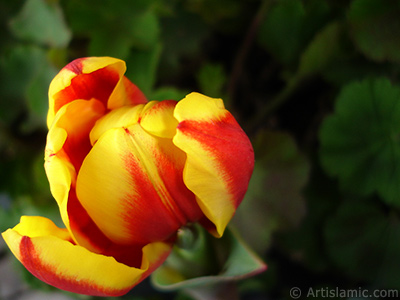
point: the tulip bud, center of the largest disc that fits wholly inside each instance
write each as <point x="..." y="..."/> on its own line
<point x="127" y="174"/>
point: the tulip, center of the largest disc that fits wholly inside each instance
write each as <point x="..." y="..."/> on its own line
<point x="127" y="174"/>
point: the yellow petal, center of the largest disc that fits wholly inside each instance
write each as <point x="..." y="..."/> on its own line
<point x="131" y="185"/>
<point x="67" y="87"/>
<point x="158" y="118"/>
<point x="118" y="118"/>
<point x="220" y="157"/>
<point x="125" y="93"/>
<point x="46" y="251"/>
<point x="101" y="78"/>
<point x="198" y="107"/>
<point x="67" y="145"/>
<point x="40" y="226"/>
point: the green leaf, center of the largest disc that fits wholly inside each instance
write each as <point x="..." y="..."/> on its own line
<point x="182" y="35"/>
<point x="229" y="256"/>
<point x="91" y="15"/>
<point x="106" y="43"/>
<point x="360" y="142"/>
<point x="40" y="183"/>
<point x="8" y="216"/>
<point x="322" y="51"/>
<point x="142" y="67"/>
<point x="273" y="201"/>
<point x="168" y="93"/>
<point x="145" y="30"/>
<point x="375" y="27"/>
<point x="115" y="27"/>
<point x="363" y="243"/>
<point x="37" y="95"/>
<point x="41" y="22"/>
<point x="350" y="68"/>
<point x="289" y="25"/>
<point x="140" y="31"/>
<point x="321" y="196"/>
<point x="225" y="15"/>
<point x="25" y="75"/>
<point x="281" y="30"/>
<point x="211" y="79"/>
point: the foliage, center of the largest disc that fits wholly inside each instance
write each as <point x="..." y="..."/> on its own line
<point x="363" y="135"/>
<point x="315" y="84"/>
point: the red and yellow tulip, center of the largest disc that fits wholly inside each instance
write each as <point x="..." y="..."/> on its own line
<point x="127" y="174"/>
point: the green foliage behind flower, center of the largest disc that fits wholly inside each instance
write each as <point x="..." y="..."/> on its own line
<point x="315" y="84"/>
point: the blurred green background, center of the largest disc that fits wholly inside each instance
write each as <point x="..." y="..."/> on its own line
<point x="315" y="84"/>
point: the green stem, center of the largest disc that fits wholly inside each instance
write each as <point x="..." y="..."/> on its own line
<point x="192" y="253"/>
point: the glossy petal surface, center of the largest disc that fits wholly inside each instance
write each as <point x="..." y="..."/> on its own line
<point x="118" y="118"/>
<point x="131" y="186"/>
<point x="47" y="252"/>
<point x="67" y="145"/>
<point x="220" y="157"/>
<point x="94" y="77"/>
<point x="158" y="118"/>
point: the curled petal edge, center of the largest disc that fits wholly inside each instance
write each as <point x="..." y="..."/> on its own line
<point x="220" y="157"/>
<point x="48" y="253"/>
<point x="76" y="68"/>
<point x="60" y="170"/>
<point x="93" y="77"/>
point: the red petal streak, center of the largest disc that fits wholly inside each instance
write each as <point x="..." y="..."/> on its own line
<point x="75" y="66"/>
<point x="78" y="122"/>
<point x="229" y="146"/>
<point x="77" y="150"/>
<point x="146" y="213"/>
<point x="47" y="273"/>
<point x="98" y="84"/>
<point x="89" y="235"/>
<point x="134" y="94"/>
<point x="170" y="170"/>
<point x="163" y="203"/>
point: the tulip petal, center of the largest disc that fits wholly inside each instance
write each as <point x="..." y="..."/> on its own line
<point x="46" y="251"/>
<point x="77" y="118"/>
<point x="118" y="118"/>
<point x="92" y="77"/>
<point x="86" y="234"/>
<point x="67" y="145"/>
<point x="158" y="118"/>
<point x="131" y="185"/>
<point x="125" y="93"/>
<point x="220" y="157"/>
